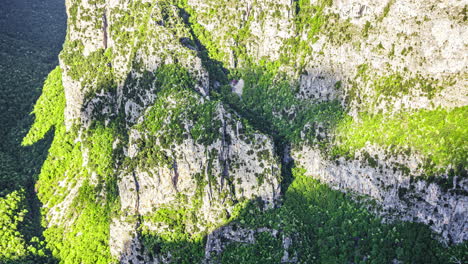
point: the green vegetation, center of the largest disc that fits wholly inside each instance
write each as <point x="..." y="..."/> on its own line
<point x="438" y="135"/>
<point x="326" y="226"/>
<point x="16" y="243"/>
<point x="48" y="109"/>
<point x="31" y="34"/>
<point x="86" y="241"/>
<point x="270" y="103"/>
<point x="168" y="121"/>
<point x="393" y="85"/>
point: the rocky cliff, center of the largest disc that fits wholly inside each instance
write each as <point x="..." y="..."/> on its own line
<point x="174" y="118"/>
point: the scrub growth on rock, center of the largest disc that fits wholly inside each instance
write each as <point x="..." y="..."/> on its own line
<point x="220" y="131"/>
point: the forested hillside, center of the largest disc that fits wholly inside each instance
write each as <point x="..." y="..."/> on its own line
<point x="31" y="36"/>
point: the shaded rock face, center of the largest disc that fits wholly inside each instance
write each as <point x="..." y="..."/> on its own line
<point x="223" y="236"/>
<point x="412" y="199"/>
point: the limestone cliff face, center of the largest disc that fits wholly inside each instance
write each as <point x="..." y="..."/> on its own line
<point x="181" y="152"/>
<point x="206" y="182"/>
<point x="419" y="46"/>
<point x="141" y="69"/>
<point x="400" y="196"/>
<point x="424" y="41"/>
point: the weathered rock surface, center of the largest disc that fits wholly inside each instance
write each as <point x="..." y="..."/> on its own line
<point x="208" y="180"/>
<point x="114" y="48"/>
<point x="425" y="40"/>
<point x="413" y="199"/>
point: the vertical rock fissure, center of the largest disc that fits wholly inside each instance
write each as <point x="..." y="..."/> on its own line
<point x="104" y="29"/>
<point x="223" y="155"/>
<point x="217" y="72"/>
<point x="137" y="190"/>
<point x="137" y="207"/>
<point x="175" y="178"/>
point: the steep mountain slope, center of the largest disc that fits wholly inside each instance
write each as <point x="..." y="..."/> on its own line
<point x="196" y="132"/>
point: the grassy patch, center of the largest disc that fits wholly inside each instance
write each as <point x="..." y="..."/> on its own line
<point x="439" y="135"/>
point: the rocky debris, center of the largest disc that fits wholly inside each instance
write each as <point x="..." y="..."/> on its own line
<point x="237" y="86"/>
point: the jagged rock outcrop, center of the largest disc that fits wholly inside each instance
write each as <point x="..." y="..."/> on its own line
<point x="135" y="67"/>
<point x="206" y="182"/>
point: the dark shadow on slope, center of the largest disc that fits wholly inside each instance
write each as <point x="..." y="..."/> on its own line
<point x="219" y="78"/>
<point x="315" y="224"/>
<point x="23" y="179"/>
<point x="218" y="73"/>
<point x="31" y="35"/>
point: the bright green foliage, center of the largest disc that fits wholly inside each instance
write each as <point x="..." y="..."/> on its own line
<point x="326" y="226"/>
<point x="439" y="135"/>
<point x="99" y="141"/>
<point x="49" y="107"/>
<point x="12" y="212"/>
<point x="177" y="239"/>
<point x="64" y="154"/>
<point x="87" y="241"/>
<point x="14" y="246"/>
